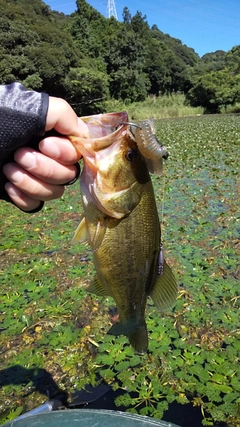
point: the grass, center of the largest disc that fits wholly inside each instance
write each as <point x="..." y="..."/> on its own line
<point x="231" y="109"/>
<point x="53" y="335"/>
<point x="165" y="106"/>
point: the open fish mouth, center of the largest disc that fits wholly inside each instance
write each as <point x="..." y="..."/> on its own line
<point x="104" y="128"/>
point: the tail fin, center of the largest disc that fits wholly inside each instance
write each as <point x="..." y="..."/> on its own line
<point x="137" y="334"/>
<point x="139" y="339"/>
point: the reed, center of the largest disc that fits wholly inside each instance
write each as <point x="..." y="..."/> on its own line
<point x="164" y="106"/>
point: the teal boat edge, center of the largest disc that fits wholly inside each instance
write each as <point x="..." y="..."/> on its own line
<point x="88" y="418"/>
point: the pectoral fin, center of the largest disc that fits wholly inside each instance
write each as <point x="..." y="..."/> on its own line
<point x="164" y="291"/>
<point x="97" y="234"/>
<point x="81" y="233"/>
<point x="97" y="288"/>
<point x="93" y="234"/>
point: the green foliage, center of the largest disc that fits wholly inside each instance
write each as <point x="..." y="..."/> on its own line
<point x="213" y="61"/>
<point x="165" y="106"/>
<point x="33" y="49"/>
<point x="88" y="28"/>
<point x="89" y="59"/>
<point x="4" y="418"/>
<point x="53" y="331"/>
<point x="215" y="90"/>
<point x="86" y="90"/>
<point x="214" y="81"/>
<point x="124" y="60"/>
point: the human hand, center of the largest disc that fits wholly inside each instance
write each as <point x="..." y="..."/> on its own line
<point x="40" y="176"/>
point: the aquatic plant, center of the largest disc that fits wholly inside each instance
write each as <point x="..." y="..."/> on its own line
<point x="53" y="334"/>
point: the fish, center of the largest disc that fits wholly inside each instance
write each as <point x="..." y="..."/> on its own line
<point x="120" y="220"/>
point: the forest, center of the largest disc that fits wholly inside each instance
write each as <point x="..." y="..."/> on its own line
<point x="89" y="59"/>
<point x="53" y="335"/>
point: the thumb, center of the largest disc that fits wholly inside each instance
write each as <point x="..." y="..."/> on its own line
<point x="63" y="119"/>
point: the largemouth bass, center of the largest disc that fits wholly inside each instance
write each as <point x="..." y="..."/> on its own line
<point x="121" y="222"/>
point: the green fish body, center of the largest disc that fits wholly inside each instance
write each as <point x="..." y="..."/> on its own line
<point x="121" y="224"/>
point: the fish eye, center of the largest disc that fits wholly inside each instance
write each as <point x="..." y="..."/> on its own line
<point x="130" y="154"/>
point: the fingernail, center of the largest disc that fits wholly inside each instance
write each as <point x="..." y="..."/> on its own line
<point x="52" y="150"/>
<point x="17" y="177"/>
<point x="28" y="160"/>
<point x="11" y="190"/>
<point x="12" y="173"/>
<point x="76" y="176"/>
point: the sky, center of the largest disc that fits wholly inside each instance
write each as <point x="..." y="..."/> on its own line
<point x="204" y="25"/>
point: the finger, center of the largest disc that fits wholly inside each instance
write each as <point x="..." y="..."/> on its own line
<point x="30" y="185"/>
<point x="20" y="199"/>
<point x="44" y="168"/>
<point x="63" y="119"/>
<point x="60" y="149"/>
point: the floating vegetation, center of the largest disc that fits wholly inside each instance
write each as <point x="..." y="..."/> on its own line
<point x="53" y="334"/>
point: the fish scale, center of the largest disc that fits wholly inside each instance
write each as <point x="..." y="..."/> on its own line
<point x="121" y="224"/>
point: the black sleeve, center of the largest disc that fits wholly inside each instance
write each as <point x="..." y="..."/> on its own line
<point x="22" y="122"/>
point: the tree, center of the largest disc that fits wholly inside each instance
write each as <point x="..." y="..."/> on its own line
<point x="86" y="90"/>
<point x="86" y="58"/>
<point x="215" y="90"/>
<point x="126" y="16"/>
<point x="33" y="49"/>
<point x="140" y="26"/>
<point x="156" y="68"/>
<point x="88" y="28"/>
<point x="125" y="61"/>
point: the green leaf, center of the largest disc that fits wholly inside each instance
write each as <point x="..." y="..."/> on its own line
<point x="222" y="387"/>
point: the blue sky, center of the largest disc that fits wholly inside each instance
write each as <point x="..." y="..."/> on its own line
<point x="204" y="25"/>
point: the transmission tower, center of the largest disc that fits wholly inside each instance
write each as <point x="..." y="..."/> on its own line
<point x="111" y="9"/>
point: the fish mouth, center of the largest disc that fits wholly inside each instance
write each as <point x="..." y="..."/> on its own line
<point x="131" y="124"/>
<point x="92" y="149"/>
<point x="104" y="129"/>
<point x="88" y="146"/>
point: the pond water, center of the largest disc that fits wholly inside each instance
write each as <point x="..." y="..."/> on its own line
<point x="54" y="335"/>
